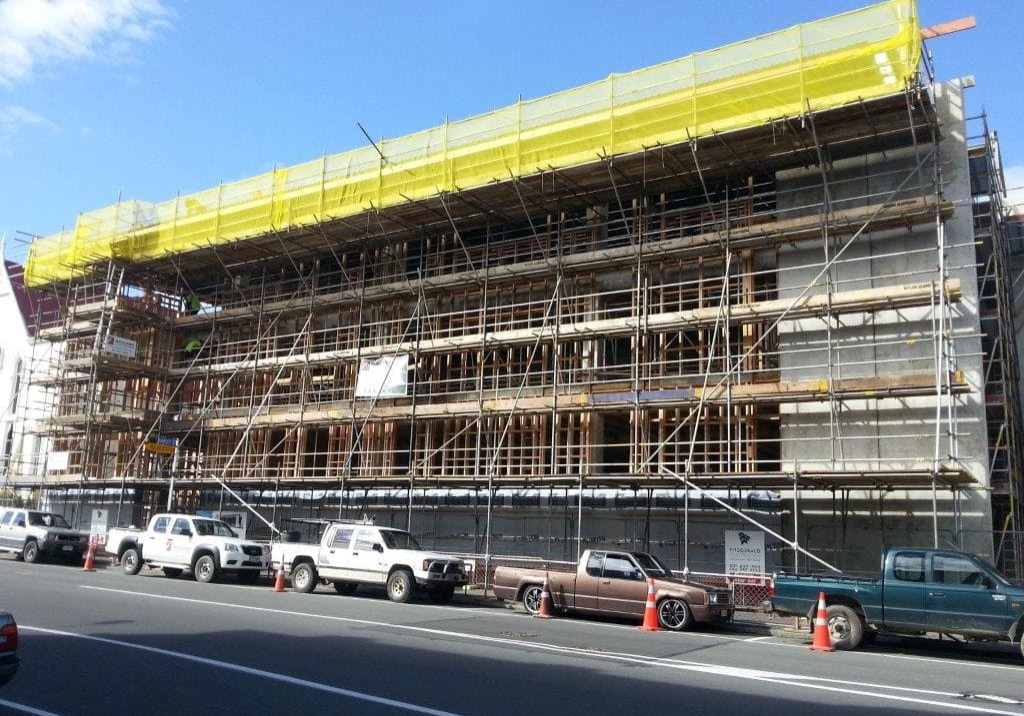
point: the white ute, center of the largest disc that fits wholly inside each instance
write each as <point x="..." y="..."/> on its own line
<point x="351" y="554"/>
<point x="176" y="542"/>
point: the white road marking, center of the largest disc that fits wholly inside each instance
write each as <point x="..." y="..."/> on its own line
<point x="26" y="709"/>
<point x="868" y="690"/>
<point x="271" y="675"/>
<point x="787" y="644"/>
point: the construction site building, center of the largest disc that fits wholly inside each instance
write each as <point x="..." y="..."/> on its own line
<point x="780" y="267"/>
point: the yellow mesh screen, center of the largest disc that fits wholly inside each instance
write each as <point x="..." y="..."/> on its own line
<point x="858" y="55"/>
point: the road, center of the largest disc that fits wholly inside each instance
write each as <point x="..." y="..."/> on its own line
<point x="101" y="643"/>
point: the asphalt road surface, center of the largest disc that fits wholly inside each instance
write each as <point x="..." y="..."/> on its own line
<point x="102" y="643"/>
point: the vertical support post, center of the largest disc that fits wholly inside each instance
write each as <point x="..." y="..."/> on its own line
<point x="686" y="520"/>
<point x="796" y="519"/>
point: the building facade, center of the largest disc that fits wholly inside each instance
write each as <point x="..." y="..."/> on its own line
<point x="777" y="266"/>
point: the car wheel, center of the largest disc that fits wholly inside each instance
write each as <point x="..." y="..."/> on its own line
<point x="30" y="552"/>
<point x="249" y="576"/>
<point x="845" y="627"/>
<point x="205" y="569"/>
<point x="172" y="572"/>
<point x="131" y="561"/>
<point x="531" y="597"/>
<point x="675" y="614"/>
<point x="304" y="578"/>
<point x="440" y="595"/>
<point x="345" y="587"/>
<point x="400" y="586"/>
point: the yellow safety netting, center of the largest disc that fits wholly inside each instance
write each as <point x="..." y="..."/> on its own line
<point x="862" y="54"/>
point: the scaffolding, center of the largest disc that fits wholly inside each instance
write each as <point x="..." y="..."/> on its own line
<point x="996" y="254"/>
<point x="770" y="294"/>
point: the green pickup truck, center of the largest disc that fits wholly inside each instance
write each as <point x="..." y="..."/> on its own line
<point x="920" y="591"/>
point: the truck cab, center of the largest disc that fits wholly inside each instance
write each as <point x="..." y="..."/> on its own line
<point x="932" y="590"/>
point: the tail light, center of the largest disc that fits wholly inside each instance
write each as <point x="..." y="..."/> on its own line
<point x="9" y="637"/>
<point x="771" y="587"/>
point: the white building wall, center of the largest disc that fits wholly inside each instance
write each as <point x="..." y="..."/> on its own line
<point x="22" y="404"/>
<point x="886" y="433"/>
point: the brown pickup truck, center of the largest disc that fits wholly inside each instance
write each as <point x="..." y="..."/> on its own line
<point x="615" y="584"/>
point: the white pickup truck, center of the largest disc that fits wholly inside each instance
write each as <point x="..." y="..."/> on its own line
<point x="176" y="542"/>
<point x="350" y="554"/>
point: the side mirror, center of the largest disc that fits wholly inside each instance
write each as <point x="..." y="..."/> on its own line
<point x="378" y="547"/>
<point x="186" y="533"/>
<point x="987" y="582"/>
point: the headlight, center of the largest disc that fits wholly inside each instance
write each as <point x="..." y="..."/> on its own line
<point x="50" y="537"/>
<point x="712" y="597"/>
<point x="230" y="547"/>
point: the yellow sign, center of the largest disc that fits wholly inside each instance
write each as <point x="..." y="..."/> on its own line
<point x="159" y="448"/>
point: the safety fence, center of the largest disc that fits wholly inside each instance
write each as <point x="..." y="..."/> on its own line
<point x="853" y="57"/>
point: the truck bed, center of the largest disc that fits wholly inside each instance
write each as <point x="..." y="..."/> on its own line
<point x="834" y="579"/>
<point x="508" y="579"/>
<point x="797" y="594"/>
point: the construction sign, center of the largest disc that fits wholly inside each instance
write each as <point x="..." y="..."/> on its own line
<point x="385" y="377"/>
<point x="162" y="446"/>
<point x="744" y="556"/>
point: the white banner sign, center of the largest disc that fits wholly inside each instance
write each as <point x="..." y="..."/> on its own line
<point x="98" y="522"/>
<point x="744" y="552"/>
<point x="58" y="460"/>
<point x="120" y="347"/>
<point x="386" y="377"/>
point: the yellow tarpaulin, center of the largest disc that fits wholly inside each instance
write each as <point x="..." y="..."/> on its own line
<point x="819" y="65"/>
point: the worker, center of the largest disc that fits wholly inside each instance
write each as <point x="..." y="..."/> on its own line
<point x="192" y="348"/>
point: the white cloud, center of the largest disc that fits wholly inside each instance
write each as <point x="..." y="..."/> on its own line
<point x="43" y="32"/>
<point x="12" y="119"/>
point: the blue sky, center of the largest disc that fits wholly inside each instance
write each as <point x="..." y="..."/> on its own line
<point x="146" y="99"/>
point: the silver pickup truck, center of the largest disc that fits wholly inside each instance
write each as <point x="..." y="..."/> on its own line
<point x="31" y="534"/>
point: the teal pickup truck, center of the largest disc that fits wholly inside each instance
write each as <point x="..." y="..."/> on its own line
<point x="920" y="590"/>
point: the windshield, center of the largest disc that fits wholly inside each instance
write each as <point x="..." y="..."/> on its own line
<point x="651" y="565"/>
<point x="213" y="527"/>
<point x="46" y="519"/>
<point x="397" y="539"/>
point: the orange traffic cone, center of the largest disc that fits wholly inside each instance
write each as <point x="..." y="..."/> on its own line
<point x="545" y="601"/>
<point x="90" y="559"/>
<point x="279" y="580"/>
<point x="650" y="610"/>
<point x="822" y="642"/>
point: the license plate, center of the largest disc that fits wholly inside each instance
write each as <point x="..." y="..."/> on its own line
<point x="67" y="548"/>
<point x="724" y="614"/>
